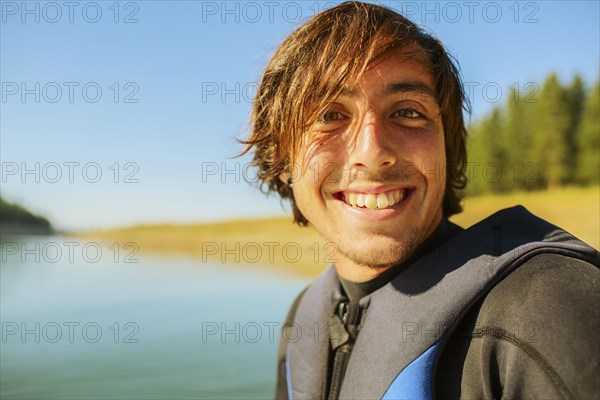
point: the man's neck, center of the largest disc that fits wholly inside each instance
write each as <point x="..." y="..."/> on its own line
<point x="351" y="271"/>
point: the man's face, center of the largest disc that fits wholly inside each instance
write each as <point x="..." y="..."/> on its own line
<point x="373" y="168"/>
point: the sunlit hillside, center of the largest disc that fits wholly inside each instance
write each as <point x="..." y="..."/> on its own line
<point x="278" y="243"/>
<point x="576" y="210"/>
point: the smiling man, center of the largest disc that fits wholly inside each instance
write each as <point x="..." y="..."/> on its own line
<point x="358" y="122"/>
<point x="372" y="163"/>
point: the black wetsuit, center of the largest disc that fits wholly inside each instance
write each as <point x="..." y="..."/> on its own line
<point x="534" y="335"/>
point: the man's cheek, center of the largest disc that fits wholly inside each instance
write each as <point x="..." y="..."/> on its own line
<point x="434" y="171"/>
<point x="332" y="172"/>
<point x="317" y="171"/>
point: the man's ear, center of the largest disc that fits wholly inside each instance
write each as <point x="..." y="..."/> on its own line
<point x="286" y="178"/>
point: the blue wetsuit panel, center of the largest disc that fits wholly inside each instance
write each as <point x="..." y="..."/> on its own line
<point x="414" y="382"/>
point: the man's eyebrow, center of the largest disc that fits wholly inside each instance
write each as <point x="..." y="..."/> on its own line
<point x="395" y="88"/>
<point x="346" y="92"/>
<point x="408" y="87"/>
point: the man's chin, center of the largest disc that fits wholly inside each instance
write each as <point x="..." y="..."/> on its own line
<point x="379" y="258"/>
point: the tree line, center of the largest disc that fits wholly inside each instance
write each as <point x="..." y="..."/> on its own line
<point x="540" y="138"/>
<point x="14" y="218"/>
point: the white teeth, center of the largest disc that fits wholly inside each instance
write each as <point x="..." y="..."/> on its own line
<point x="382" y="200"/>
<point x="352" y="199"/>
<point x="400" y="196"/>
<point x="360" y="200"/>
<point x="374" y="201"/>
<point x="371" y="201"/>
<point x="391" y="198"/>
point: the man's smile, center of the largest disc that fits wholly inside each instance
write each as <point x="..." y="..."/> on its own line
<point x="373" y="199"/>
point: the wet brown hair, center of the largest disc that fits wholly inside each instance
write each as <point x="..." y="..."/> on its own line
<point x="326" y="54"/>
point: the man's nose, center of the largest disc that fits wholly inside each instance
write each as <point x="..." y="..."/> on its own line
<point x="372" y="148"/>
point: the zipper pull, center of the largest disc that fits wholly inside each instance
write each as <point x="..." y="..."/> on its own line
<point x="338" y="335"/>
<point x="343" y="309"/>
<point x="352" y="322"/>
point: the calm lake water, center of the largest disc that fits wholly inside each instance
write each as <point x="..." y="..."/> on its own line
<point x="79" y="323"/>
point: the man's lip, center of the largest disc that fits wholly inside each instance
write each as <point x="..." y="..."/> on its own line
<point x="372" y="189"/>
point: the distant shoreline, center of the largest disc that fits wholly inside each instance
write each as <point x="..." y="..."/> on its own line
<point x="11" y="228"/>
<point x="278" y="243"/>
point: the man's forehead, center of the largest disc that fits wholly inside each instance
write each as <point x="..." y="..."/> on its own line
<point x="404" y="71"/>
<point x="400" y="84"/>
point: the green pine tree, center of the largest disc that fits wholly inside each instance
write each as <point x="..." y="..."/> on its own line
<point x="496" y="170"/>
<point x="521" y="172"/>
<point x="588" y="140"/>
<point x="487" y="155"/>
<point x="549" y="141"/>
<point x="575" y="97"/>
<point x="477" y="156"/>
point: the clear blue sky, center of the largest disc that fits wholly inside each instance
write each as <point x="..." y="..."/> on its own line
<point x="185" y="72"/>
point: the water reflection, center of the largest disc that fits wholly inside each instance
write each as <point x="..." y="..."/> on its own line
<point x="162" y="327"/>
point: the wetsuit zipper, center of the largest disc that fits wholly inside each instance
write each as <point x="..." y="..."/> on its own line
<point x="345" y="329"/>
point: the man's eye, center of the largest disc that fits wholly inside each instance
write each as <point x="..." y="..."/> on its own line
<point x="409" y="113"/>
<point x="332" y="116"/>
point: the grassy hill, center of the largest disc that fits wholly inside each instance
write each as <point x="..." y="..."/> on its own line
<point x="576" y="210"/>
<point x="277" y="242"/>
<point x="262" y="242"/>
